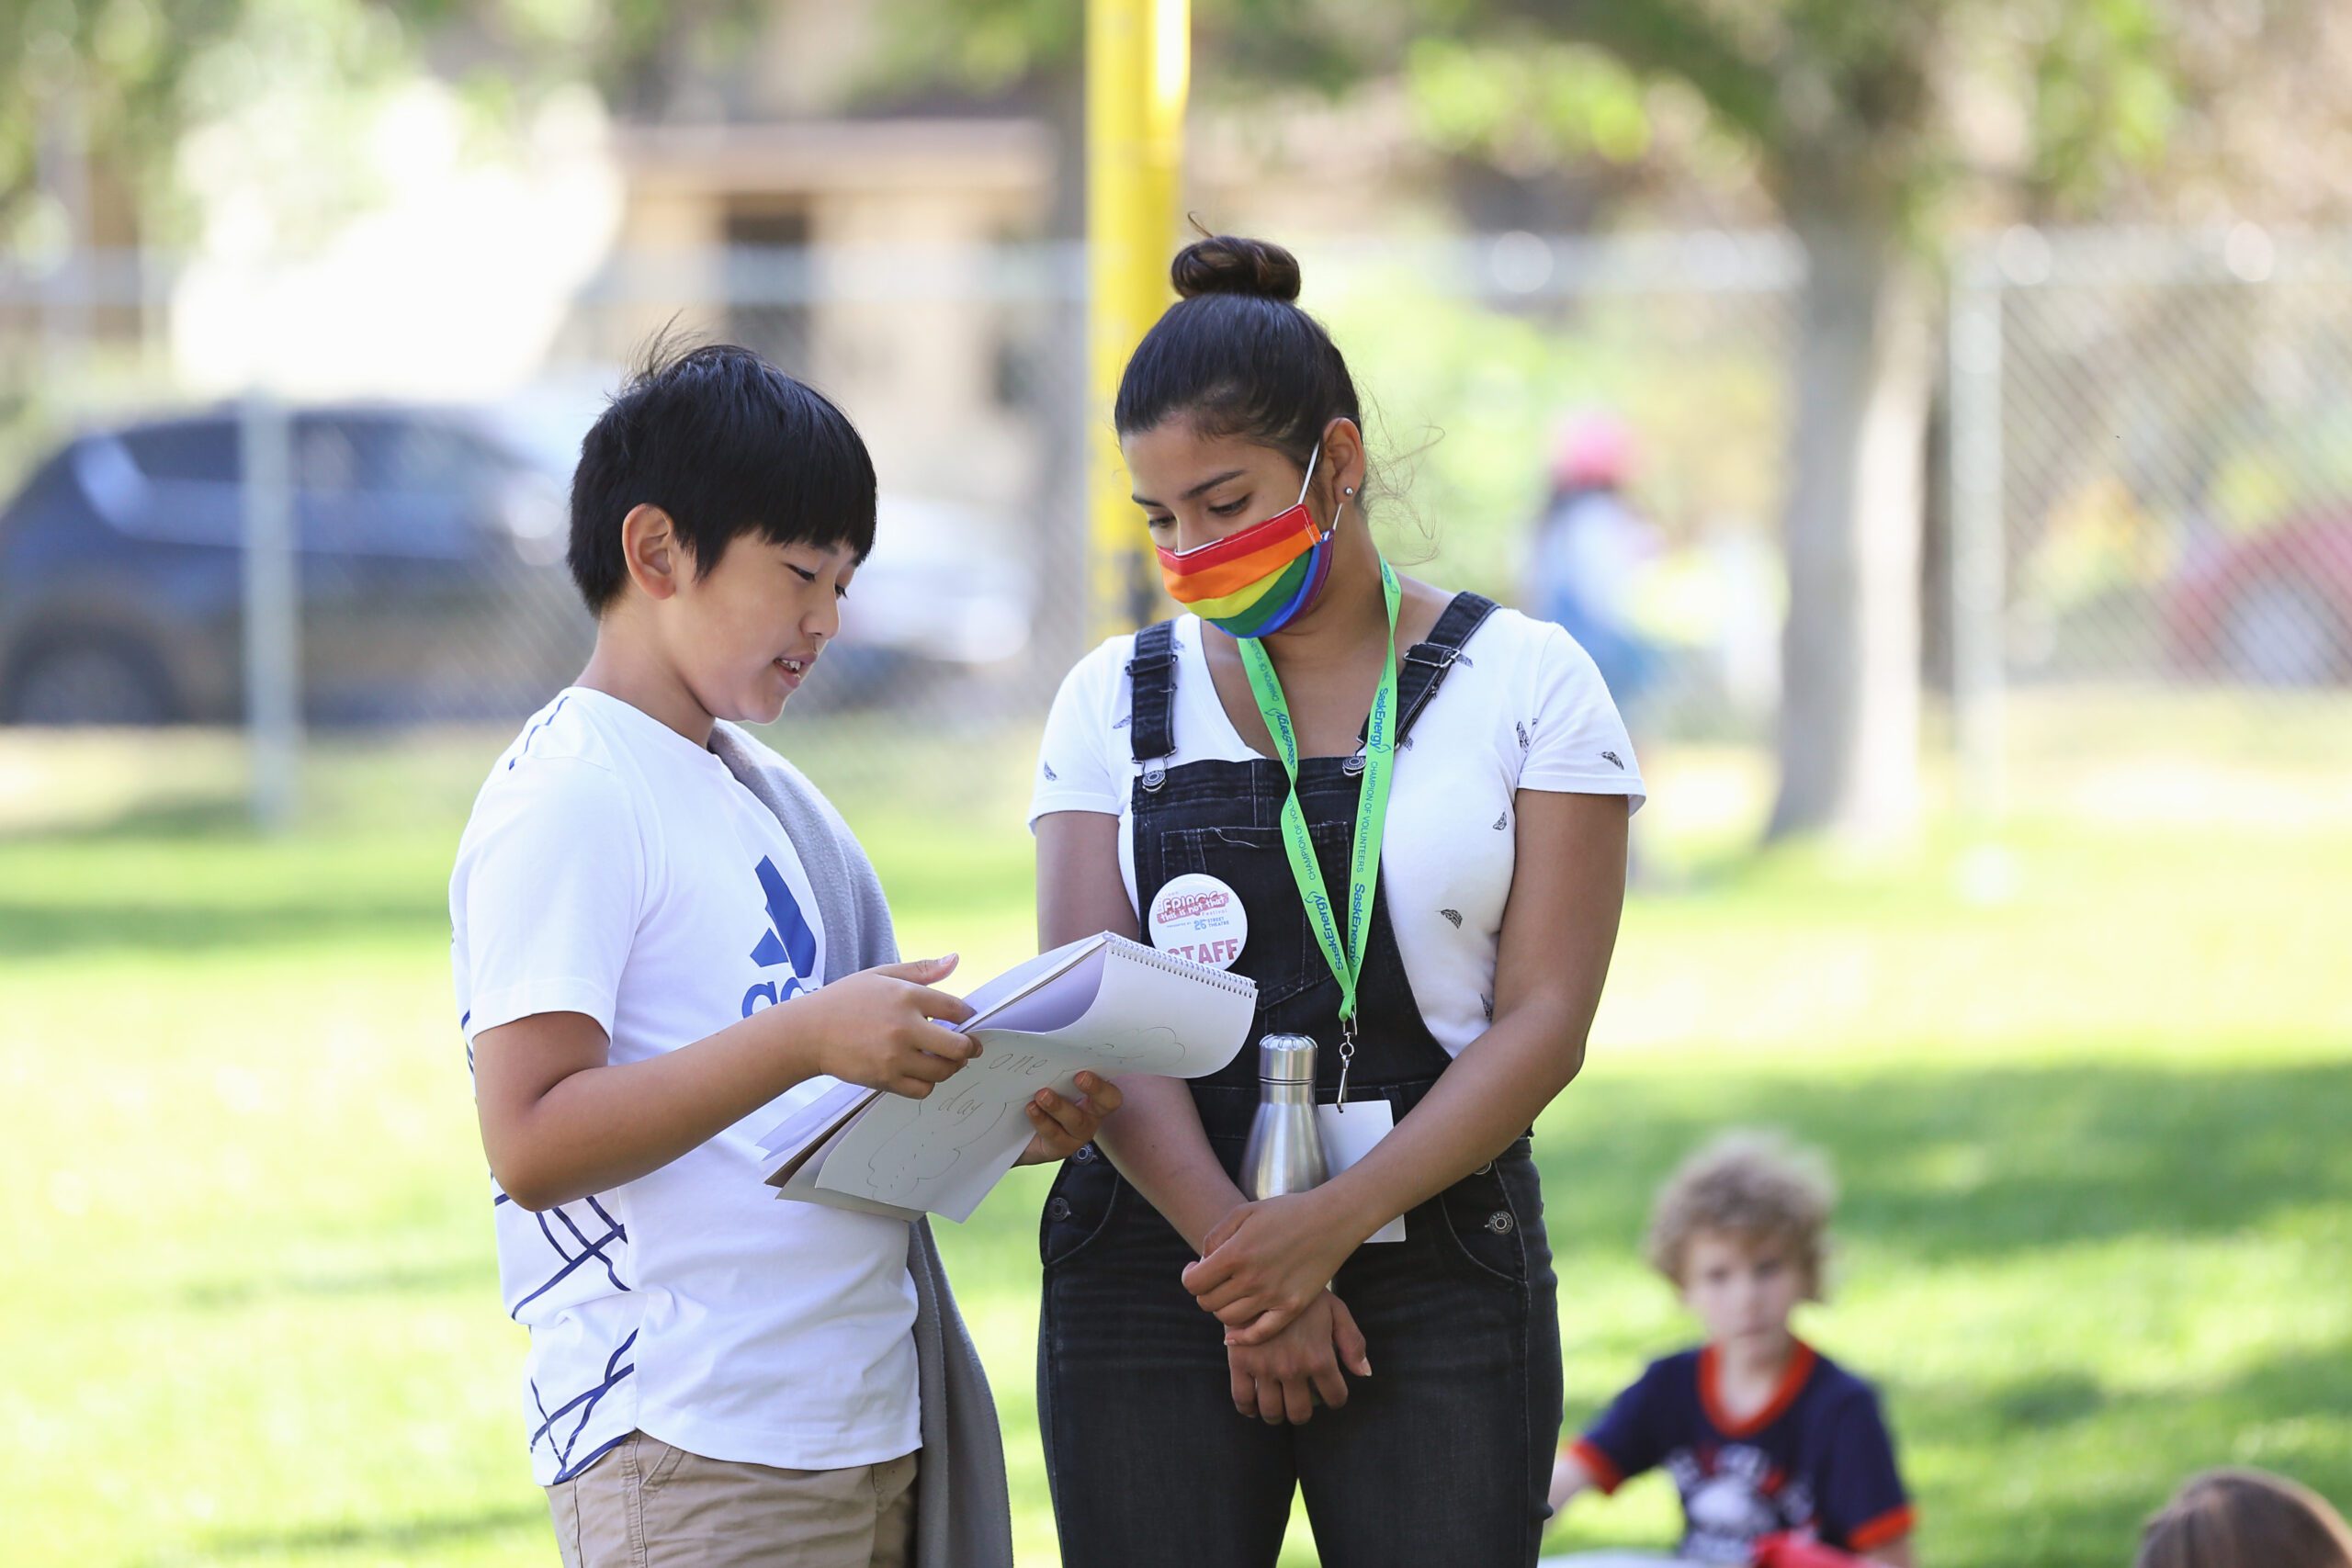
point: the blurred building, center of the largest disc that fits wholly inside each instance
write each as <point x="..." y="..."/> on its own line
<point x="851" y="244"/>
<point x="852" y="252"/>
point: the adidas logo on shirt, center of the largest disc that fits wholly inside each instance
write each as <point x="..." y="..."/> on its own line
<point x="788" y="940"/>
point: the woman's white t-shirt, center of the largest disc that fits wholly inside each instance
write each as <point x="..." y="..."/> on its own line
<point x="1522" y="709"/>
<point x="613" y="868"/>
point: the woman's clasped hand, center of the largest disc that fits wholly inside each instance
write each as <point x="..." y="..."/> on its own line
<point x="1298" y="1367"/>
<point x="1267" y="1262"/>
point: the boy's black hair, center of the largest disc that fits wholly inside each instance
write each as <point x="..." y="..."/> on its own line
<point x="726" y="445"/>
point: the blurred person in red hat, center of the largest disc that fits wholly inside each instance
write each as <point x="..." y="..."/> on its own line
<point x="1593" y="555"/>
<point x="1593" y="551"/>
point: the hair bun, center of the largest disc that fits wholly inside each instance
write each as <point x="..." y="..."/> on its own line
<point x="1228" y="263"/>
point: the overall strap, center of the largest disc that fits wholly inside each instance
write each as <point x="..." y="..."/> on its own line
<point x="1151" y="681"/>
<point x="1428" y="662"/>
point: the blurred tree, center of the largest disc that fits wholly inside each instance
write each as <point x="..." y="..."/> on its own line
<point x="1866" y="124"/>
<point x="99" y="96"/>
<point x="88" y="86"/>
<point x="1873" y="129"/>
<point x="1878" y="129"/>
<point x="101" y="93"/>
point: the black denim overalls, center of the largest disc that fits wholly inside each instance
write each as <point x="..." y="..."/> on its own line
<point x="1443" y="1454"/>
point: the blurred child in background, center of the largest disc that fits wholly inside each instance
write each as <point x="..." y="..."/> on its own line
<point x="1781" y="1455"/>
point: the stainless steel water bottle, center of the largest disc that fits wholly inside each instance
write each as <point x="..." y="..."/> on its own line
<point x="1284" y="1153"/>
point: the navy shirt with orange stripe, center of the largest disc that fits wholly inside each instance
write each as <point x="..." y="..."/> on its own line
<point x="1815" y="1457"/>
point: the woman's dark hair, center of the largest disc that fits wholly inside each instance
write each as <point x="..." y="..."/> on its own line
<point x="2244" y="1518"/>
<point x="726" y="445"/>
<point x="1234" y="354"/>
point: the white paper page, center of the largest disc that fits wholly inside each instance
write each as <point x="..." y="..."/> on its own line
<point x="812" y="1115"/>
<point x="1053" y="1003"/>
<point x="1025" y="976"/>
<point x="1348" y="1136"/>
<point x="945" y="1152"/>
<point x="815" y="1108"/>
<point x="850" y="1202"/>
<point x="1156" y="1014"/>
<point x="1042" y="988"/>
<point x="802" y="1184"/>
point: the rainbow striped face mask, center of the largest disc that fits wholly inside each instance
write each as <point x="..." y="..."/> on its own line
<point x="1257" y="580"/>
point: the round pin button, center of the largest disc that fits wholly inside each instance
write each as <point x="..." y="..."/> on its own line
<point x="1200" y="917"/>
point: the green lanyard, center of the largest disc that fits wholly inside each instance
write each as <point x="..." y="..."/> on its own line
<point x="1343" y="953"/>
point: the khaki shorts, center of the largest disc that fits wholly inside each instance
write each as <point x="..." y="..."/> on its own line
<point x="646" y="1505"/>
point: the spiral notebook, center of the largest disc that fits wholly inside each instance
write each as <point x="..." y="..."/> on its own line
<point x="1104" y="1003"/>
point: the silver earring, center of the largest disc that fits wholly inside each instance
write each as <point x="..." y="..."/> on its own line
<point x="1350" y="491"/>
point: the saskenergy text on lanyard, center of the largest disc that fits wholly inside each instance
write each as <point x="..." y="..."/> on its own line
<point x="1343" y="950"/>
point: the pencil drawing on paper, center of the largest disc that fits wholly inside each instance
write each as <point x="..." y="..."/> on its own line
<point x="932" y="1142"/>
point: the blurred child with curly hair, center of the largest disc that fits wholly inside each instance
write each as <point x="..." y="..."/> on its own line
<point x="1781" y="1455"/>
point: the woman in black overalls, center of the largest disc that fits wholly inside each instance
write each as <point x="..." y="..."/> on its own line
<point x="1417" y="1400"/>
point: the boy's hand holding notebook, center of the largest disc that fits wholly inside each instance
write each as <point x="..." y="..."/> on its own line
<point x="1103" y="1003"/>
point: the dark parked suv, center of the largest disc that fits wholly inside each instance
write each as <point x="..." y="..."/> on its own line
<point x="430" y="567"/>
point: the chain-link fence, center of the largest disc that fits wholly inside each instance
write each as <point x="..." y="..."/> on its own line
<point x="2152" y="478"/>
<point x="426" y="583"/>
<point x="2150" y="462"/>
<point x="423" y="535"/>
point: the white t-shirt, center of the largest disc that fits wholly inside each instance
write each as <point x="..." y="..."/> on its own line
<point x="612" y="867"/>
<point x="1523" y="708"/>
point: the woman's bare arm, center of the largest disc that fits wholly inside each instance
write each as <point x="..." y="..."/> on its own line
<point x="1267" y="1260"/>
<point x="1155" y="1140"/>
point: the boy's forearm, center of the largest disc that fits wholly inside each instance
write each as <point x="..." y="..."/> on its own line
<point x="602" y="1126"/>
<point x="1157" y="1142"/>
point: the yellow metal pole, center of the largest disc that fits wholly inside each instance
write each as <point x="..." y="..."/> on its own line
<point x="1138" y="69"/>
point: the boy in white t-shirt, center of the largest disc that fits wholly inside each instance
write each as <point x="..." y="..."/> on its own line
<point x="715" y="1377"/>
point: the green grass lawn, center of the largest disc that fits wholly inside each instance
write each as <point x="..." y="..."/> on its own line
<point x="2088" y="1100"/>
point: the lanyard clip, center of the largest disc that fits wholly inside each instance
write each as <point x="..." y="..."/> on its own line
<point x="1347" y="1056"/>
